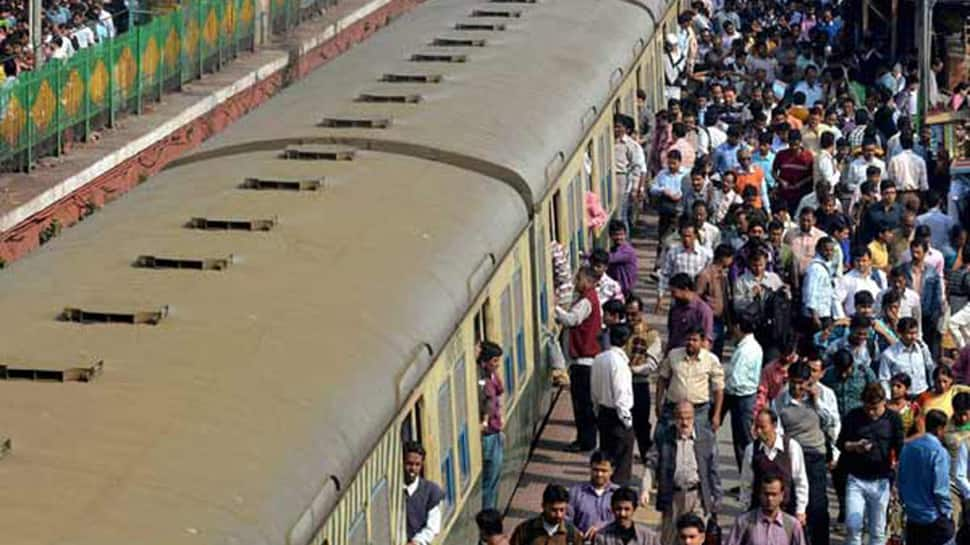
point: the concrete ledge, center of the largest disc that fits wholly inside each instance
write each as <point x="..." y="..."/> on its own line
<point x="69" y="199"/>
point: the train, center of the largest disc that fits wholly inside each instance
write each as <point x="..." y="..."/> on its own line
<point x="233" y="353"/>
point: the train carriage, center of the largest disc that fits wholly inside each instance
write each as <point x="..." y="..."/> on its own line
<point x="233" y="353"/>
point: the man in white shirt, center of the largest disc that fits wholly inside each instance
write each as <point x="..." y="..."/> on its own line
<point x="862" y="277"/>
<point x="908" y="171"/>
<point x="611" y="388"/>
<point x="858" y="167"/>
<point x="810" y="86"/>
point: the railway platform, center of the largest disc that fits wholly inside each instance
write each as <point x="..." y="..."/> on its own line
<point x="550" y="463"/>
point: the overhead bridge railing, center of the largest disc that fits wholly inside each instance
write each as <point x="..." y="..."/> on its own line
<point x="43" y="111"/>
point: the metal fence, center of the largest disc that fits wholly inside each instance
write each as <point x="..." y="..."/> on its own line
<point x="68" y="100"/>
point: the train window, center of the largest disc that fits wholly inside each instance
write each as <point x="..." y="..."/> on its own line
<point x="481" y="323"/>
<point x="461" y="414"/>
<point x="508" y="332"/>
<point x="357" y="534"/>
<point x="412" y="426"/>
<point x="446" y="446"/>
<point x="606" y="172"/>
<point x="520" y="312"/>
<point x="554" y="217"/>
<point x="578" y="207"/>
<point x="541" y="257"/>
<point x="380" y="514"/>
<point x="588" y="166"/>
<point x="571" y="223"/>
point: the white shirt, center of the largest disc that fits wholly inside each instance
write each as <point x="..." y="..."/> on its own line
<point x="608" y="289"/>
<point x="550" y="529"/>
<point x="826" y="168"/>
<point x="611" y="383"/>
<point x="799" y="477"/>
<point x="857" y="170"/>
<point x="853" y="282"/>
<point x="813" y="93"/>
<point x="908" y="171"/>
<point x="433" y="527"/>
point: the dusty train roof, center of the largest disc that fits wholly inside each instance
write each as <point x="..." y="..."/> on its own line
<point x="221" y="423"/>
<point x="516" y="101"/>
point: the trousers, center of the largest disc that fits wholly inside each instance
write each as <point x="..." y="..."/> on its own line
<point x="866" y="500"/>
<point x="817" y="514"/>
<point x="938" y="532"/>
<point x="960" y="326"/>
<point x="582" y="398"/>
<point x="683" y="503"/>
<point x="493" y="453"/>
<point x="616" y="440"/>
<point x="641" y="417"/>
<point x="742" y="419"/>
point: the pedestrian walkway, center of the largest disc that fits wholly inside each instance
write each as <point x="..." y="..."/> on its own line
<point x="551" y="464"/>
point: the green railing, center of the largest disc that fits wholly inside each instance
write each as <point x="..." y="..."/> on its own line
<point x="68" y="100"/>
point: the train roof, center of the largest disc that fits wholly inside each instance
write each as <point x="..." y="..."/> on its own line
<point x="221" y="423"/>
<point x="512" y="105"/>
<point x="226" y="418"/>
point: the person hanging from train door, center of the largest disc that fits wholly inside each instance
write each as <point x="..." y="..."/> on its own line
<point x="584" y="320"/>
<point x="675" y="68"/>
<point x="423" y="502"/>
<point x="490" y="390"/>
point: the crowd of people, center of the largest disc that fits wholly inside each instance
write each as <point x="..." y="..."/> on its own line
<point x="813" y="248"/>
<point x="67" y="27"/>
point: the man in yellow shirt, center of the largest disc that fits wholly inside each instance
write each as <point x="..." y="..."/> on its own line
<point x="879" y="247"/>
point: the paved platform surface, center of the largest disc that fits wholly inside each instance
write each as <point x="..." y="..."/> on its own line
<point x="550" y="464"/>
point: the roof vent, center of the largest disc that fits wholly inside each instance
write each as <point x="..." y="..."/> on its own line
<point x="458" y="42"/>
<point x="96" y="317"/>
<point x="438" y="57"/>
<point x="412" y="78"/>
<point x="6" y="445"/>
<point x="157" y="262"/>
<point x="74" y="374"/>
<point x="385" y="97"/>
<point x="232" y="225"/>
<point x="505" y="13"/>
<point x="514" y="1"/>
<point x="317" y="151"/>
<point x="479" y="26"/>
<point x="283" y="184"/>
<point x="356" y="122"/>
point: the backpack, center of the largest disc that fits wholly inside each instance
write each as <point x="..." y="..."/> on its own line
<point x="777" y="314"/>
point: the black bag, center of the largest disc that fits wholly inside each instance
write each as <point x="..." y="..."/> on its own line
<point x="777" y="315"/>
<point x="712" y="536"/>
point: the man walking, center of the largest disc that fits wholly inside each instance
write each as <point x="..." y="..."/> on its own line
<point x="551" y="527"/>
<point x="871" y="439"/>
<point x="490" y="390"/>
<point x="684" y="465"/>
<point x="768" y="524"/>
<point x="623" y="531"/>
<point x="924" y="485"/>
<point x="611" y="387"/>
<point x="694" y="375"/>
<point x="589" y="502"/>
<point x="741" y="385"/>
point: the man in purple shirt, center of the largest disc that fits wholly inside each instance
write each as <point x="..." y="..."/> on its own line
<point x="688" y="311"/>
<point x="623" y="258"/>
<point x="490" y="392"/>
<point x="768" y="524"/>
<point x="589" y="503"/>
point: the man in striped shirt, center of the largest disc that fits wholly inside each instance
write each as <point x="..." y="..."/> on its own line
<point x="687" y="257"/>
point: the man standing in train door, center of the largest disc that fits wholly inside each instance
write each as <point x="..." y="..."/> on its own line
<point x="584" y="320"/>
<point x="423" y="503"/>
<point x="611" y="388"/>
<point x="490" y="390"/>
